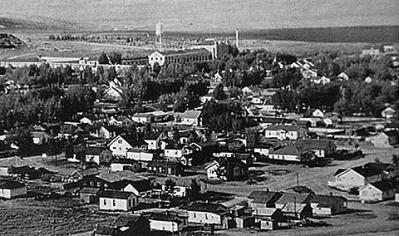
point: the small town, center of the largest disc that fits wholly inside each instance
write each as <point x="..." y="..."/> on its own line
<point x="196" y="135"/>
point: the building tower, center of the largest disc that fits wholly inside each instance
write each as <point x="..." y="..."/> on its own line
<point x="158" y="34"/>
<point x="237" y="38"/>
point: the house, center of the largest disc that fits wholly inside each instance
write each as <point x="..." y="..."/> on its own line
<point x="191" y="117"/>
<point x="167" y="221"/>
<point x="207" y="214"/>
<point x="152" y="139"/>
<point x="98" y="155"/>
<point x="212" y="170"/>
<point x="358" y="176"/>
<point x="122" y="143"/>
<point x="384" y="139"/>
<point x="318" y="113"/>
<point x="263" y="149"/>
<point x="288" y="197"/>
<point x="109" y="132"/>
<point x="263" y="199"/>
<point x="270" y="218"/>
<point x="284" y="132"/>
<point x="320" y="147"/>
<point x="343" y="76"/>
<point x="368" y="80"/>
<point x="184" y="184"/>
<point x="288" y="153"/>
<point x="143" y="118"/>
<point x="117" y="201"/>
<point x="113" y="94"/>
<point x="297" y="211"/>
<point x="132" y="224"/>
<point x="227" y="169"/>
<point x="141" y="156"/>
<point x="163" y="167"/>
<point x="174" y="151"/>
<point x="10" y="189"/>
<point x="40" y="137"/>
<point x="89" y="195"/>
<point x="86" y="120"/>
<point x="378" y="191"/>
<point x="327" y="205"/>
<point x="141" y="188"/>
<point x="388" y="113"/>
<point x="124" y="164"/>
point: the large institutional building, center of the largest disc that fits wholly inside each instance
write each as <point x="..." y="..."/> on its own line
<point x="206" y="51"/>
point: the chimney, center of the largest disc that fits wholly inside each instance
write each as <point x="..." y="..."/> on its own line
<point x="267" y="189"/>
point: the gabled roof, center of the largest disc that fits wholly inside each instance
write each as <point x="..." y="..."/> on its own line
<point x="264" y="196"/>
<point x="384" y="185"/>
<point x="131" y="140"/>
<point x="183" y="52"/>
<point x="313" y="144"/>
<point x="294" y="198"/>
<point x="139" y="185"/>
<point x="283" y="127"/>
<point x="206" y="207"/>
<point x="370" y="169"/>
<point x="115" y="194"/>
<point x="288" y="150"/>
<point x="327" y="200"/>
<point x="191" y="114"/>
<point x="293" y="207"/>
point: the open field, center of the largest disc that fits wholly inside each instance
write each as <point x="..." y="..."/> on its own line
<point x="50" y="217"/>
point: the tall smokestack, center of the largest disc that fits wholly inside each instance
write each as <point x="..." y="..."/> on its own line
<point x="237" y="38"/>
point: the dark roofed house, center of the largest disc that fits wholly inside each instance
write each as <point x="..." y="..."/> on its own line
<point x="11" y="189"/>
<point x="98" y="155"/>
<point x="263" y="199"/>
<point x="378" y="191"/>
<point x="326" y="205"/>
<point x="133" y="224"/>
<point x="163" y="167"/>
<point x="321" y="147"/>
<point x="293" y="198"/>
<point x="207" y="214"/>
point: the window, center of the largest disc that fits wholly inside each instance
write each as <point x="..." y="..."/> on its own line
<point x="119" y="141"/>
<point x="105" y="202"/>
<point x="113" y="202"/>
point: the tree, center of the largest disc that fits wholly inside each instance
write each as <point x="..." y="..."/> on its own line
<point x="219" y="93"/>
<point x="170" y="184"/>
<point x="103" y="59"/>
<point x="395" y="159"/>
<point x="115" y="58"/>
<point x="23" y="139"/>
<point x="195" y="189"/>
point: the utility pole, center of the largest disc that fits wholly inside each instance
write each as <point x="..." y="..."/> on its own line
<point x="297" y="179"/>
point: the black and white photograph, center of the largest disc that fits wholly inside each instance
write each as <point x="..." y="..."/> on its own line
<point x="199" y="117"/>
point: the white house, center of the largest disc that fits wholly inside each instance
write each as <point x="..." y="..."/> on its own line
<point x="11" y="189"/>
<point x="207" y="213"/>
<point x="143" y="118"/>
<point x="388" y="113"/>
<point x="284" y="132"/>
<point x="117" y="201"/>
<point x="191" y="117"/>
<point x="122" y="143"/>
<point x="86" y="120"/>
<point x="318" y="113"/>
<point x="211" y="170"/>
<point x="113" y="94"/>
<point x="289" y="153"/>
<point x="379" y="191"/>
<point x="140" y="155"/>
<point x="359" y="176"/>
<point x="343" y="76"/>
<point x="174" y="151"/>
<point x="167" y="222"/>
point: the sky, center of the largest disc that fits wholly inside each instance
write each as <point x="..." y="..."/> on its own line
<point x="207" y="15"/>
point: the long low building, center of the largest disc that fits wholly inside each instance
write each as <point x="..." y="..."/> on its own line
<point x="179" y="56"/>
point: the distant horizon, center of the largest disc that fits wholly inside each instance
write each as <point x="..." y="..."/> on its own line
<point x="207" y="16"/>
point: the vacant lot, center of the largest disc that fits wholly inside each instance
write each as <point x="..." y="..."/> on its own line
<point x="50" y="217"/>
